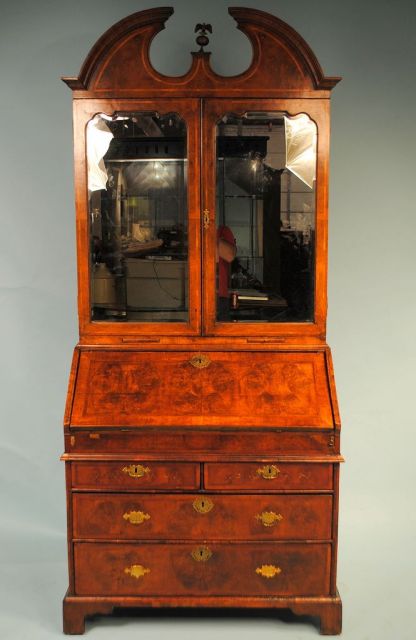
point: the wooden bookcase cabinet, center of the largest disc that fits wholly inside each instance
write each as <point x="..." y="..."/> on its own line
<point x="202" y="456"/>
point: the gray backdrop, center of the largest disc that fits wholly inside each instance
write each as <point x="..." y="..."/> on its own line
<point x="371" y="322"/>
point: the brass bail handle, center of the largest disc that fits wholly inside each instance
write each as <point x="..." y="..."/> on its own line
<point x="136" y="571"/>
<point x="269" y="518"/>
<point x="136" y="517"/>
<point x="268" y="571"/>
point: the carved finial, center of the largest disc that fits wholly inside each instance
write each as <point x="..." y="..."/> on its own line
<point x="203" y="39"/>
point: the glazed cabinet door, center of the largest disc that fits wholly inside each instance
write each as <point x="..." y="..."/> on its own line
<point x="137" y="166"/>
<point x="264" y="216"/>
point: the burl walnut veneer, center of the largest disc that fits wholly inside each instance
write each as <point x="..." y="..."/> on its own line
<point x="202" y="455"/>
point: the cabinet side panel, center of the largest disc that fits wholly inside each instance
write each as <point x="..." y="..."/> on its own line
<point x="71" y="387"/>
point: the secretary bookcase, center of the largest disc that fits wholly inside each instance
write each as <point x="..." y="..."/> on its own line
<point x="202" y="435"/>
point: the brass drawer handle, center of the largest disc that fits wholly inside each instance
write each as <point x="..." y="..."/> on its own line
<point x="268" y="472"/>
<point x="200" y="361"/>
<point x="201" y="554"/>
<point x="136" y="517"/>
<point x="136" y="571"/>
<point x="203" y="504"/>
<point x="136" y="470"/>
<point x="269" y="518"/>
<point x="268" y="571"/>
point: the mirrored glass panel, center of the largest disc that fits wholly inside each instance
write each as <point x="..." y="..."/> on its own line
<point x="266" y="164"/>
<point x="137" y="186"/>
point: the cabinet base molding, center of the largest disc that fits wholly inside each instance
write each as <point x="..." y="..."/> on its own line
<point x="77" y="609"/>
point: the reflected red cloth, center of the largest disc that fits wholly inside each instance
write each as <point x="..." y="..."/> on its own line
<point x="224" y="267"/>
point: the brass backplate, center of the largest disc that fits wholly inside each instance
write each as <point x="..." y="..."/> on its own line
<point x="136" y="517"/>
<point x="268" y="571"/>
<point x="136" y="571"/>
<point x="269" y="518"/>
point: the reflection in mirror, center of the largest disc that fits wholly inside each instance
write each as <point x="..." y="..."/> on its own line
<point x="266" y="165"/>
<point x="138" y="217"/>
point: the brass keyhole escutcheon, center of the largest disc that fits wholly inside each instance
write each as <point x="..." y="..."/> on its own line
<point x="203" y="504"/>
<point x="200" y="361"/>
<point x="136" y="470"/>
<point x="201" y="554"/>
<point x="268" y="472"/>
<point x="206" y="218"/>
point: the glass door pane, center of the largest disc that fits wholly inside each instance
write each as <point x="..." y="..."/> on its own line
<point x="265" y="217"/>
<point x="138" y="211"/>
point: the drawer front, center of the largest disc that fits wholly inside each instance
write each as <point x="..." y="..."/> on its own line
<point x="195" y="517"/>
<point x="202" y="569"/>
<point x="135" y="475"/>
<point x="277" y="476"/>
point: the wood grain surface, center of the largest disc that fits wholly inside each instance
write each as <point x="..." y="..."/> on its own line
<point x="231" y="570"/>
<point x="115" y="475"/>
<point x="238" y="389"/>
<point x="106" y="517"/>
<point x="289" y="476"/>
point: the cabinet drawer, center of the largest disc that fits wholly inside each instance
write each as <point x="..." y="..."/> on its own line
<point x="135" y="475"/>
<point x="287" y="476"/>
<point x="195" y="517"/>
<point x="202" y="569"/>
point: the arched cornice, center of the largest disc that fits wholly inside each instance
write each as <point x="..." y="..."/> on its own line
<point x="250" y="20"/>
<point x="119" y="62"/>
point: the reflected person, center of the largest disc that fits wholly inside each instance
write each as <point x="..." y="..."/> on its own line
<point x="226" y="252"/>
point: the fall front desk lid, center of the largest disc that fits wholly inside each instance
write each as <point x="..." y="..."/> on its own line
<point x="182" y="388"/>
